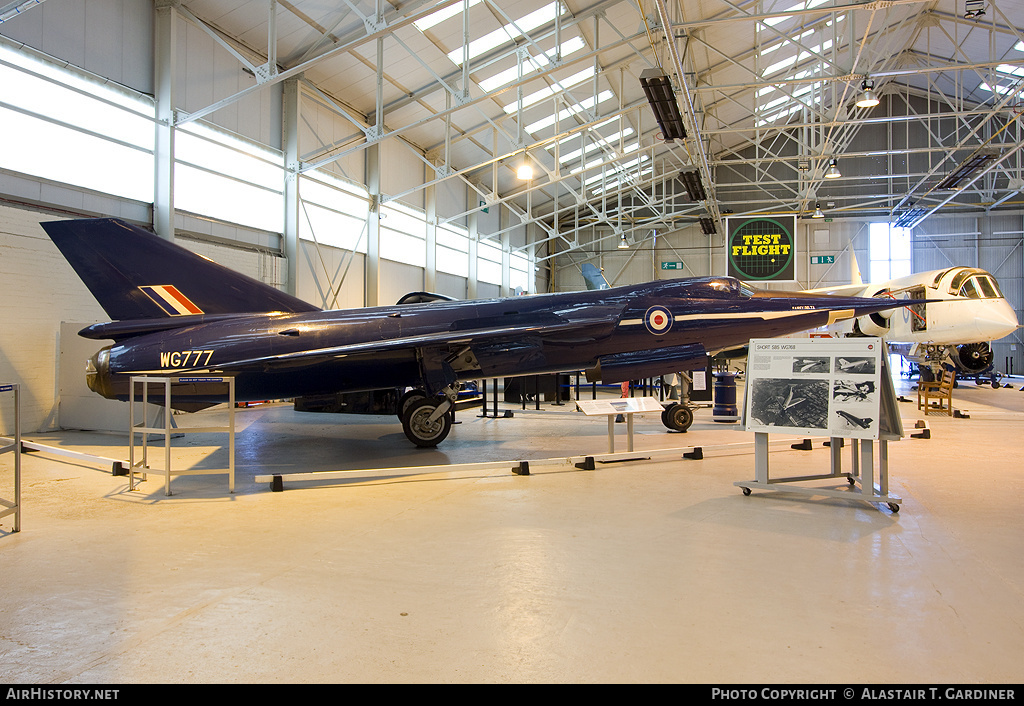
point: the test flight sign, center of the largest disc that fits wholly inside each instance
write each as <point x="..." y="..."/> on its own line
<point x="762" y="248"/>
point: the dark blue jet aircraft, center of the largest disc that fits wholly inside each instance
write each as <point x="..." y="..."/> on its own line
<point x="173" y="312"/>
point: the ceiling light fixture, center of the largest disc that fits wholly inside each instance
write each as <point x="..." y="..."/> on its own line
<point x="622" y="242"/>
<point x="967" y="168"/>
<point x="817" y="211"/>
<point x="868" y="97"/>
<point x="833" y="171"/>
<point x="524" y="171"/>
<point x="907" y="219"/>
<point x="694" y="186"/>
<point x="662" y="98"/>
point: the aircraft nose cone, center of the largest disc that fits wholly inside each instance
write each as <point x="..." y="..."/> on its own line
<point x="996" y="322"/>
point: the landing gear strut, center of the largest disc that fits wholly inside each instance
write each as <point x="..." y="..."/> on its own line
<point x="426" y="421"/>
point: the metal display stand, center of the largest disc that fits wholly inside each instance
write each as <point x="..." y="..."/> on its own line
<point x="861" y="475"/>
<point x="9" y="507"/>
<point x="837" y="388"/>
<point x="165" y="431"/>
<point x="627" y="406"/>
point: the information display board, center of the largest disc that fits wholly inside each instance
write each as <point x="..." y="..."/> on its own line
<point x="836" y="387"/>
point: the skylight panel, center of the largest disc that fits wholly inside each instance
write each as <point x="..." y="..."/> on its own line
<point x="617" y="168"/>
<point x="1010" y="69"/>
<point x="533" y="63"/>
<point x="779" y="65"/>
<point x="807" y="5"/>
<point x="549" y="91"/>
<point x="1019" y="46"/>
<point x="781" y="114"/>
<point x="592" y="129"/>
<point x="509" y="33"/>
<point x="570" y="111"/>
<point x="436" y="18"/>
<point x="604" y="142"/>
<point x="1000" y="89"/>
<point x="631" y="178"/>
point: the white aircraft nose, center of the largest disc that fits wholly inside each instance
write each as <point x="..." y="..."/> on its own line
<point x="996" y="321"/>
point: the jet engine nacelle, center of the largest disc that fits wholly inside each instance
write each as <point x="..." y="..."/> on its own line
<point x="876" y="324"/>
<point x="973" y="358"/>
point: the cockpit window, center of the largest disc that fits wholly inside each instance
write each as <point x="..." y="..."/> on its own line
<point x="989" y="288"/>
<point x="746" y="290"/>
<point x="974" y="284"/>
<point x="979" y="287"/>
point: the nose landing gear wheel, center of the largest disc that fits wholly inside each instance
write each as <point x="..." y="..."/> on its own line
<point x="417" y="425"/>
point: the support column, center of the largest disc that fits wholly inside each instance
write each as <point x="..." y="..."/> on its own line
<point x="430" y="269"/>
<point x="471" y="280"/>
<point x="506" y="264"/>
<point x="290" y="112"/>
<point x="165" y="37"/>
<point x="371" y="278"/>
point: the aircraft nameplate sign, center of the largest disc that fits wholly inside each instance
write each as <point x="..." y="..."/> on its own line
<point x="624" y="405"/>
<point x="823" y="387"/>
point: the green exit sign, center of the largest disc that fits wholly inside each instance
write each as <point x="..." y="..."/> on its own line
<point x="671" y="265"/>
<point x="823" y="259"/>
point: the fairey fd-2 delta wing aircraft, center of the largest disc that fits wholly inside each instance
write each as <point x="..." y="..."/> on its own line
<point x="965" y="311"/>
<point x="173" y="312"/>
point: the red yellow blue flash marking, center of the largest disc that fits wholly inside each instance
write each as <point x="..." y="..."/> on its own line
<point x="172" y="301"/>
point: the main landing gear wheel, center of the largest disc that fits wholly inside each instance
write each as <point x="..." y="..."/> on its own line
<point x="417" y="425"/>
<point x="677" y="417"/>
<point x="407" y="399"/>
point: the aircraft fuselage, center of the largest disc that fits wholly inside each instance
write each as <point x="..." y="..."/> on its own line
<point x="620" y="330"/>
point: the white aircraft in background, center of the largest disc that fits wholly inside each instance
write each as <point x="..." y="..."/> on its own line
<point x="959" y="329"/>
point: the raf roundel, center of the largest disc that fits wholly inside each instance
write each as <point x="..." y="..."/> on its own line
<point x="658" y="320"/>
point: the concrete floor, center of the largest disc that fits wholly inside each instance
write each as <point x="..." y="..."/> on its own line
<point x="633" y="572"/>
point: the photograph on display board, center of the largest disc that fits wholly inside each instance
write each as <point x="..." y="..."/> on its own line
<point x="815" y="364"/>
<point x="797" y="404"/>
<point x="855" y="364"/>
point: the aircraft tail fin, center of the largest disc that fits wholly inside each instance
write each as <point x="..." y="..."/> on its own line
<point x="594" y="277"/>
<point x="855" y="276"/>
<point x="136" y="275"/>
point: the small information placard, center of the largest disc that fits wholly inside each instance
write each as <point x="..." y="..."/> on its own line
<point x="625" y="405"/>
